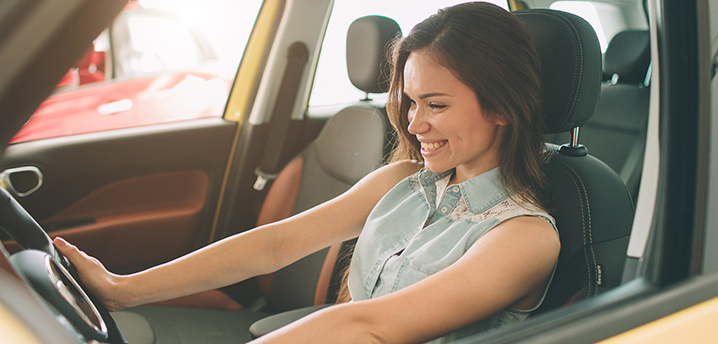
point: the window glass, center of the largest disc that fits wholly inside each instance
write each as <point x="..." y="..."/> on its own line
<point x="331" y="84"/>
<point x="606" y="19"/>
<point x="161" y="61"/>
<point x="157" y="43"/>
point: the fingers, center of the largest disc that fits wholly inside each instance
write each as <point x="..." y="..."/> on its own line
<point x="68" y="250"/>
<point x="89" y="269"/>
<point x="59" y="241"/>
<point x="64" y="246"/>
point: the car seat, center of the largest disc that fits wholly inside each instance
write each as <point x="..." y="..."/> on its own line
<point x="616" y="133"/>
<point x="590" y="202"/>
<point x="591" y="205"/>
<point x="350" y="145"/>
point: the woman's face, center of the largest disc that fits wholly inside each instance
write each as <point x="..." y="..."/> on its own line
<point x="447" y="119"/>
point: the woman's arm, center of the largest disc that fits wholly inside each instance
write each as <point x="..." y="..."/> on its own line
<point x="508" y="266"/>
<point x="259" y="251"/>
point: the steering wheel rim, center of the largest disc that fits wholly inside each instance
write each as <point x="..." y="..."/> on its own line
<point x="52" y="276"/>
<point x="55" y="284"/>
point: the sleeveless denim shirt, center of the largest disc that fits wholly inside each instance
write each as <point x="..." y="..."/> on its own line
<point x="422" y="225"/>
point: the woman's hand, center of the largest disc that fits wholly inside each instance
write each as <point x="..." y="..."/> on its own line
<point x="100" y="282"/>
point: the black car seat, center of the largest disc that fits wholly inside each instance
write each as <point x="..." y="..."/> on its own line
<point x="616" y="133"/>
<point x="590" y="202"/>
<point x="591" y="205"/>
<point x="351" y="144"/>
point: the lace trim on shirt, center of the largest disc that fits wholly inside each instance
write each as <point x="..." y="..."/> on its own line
<point x="507" y="209"/>
<point x="441" y="186"/>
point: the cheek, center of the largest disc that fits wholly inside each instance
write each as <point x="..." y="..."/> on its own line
<point x="479" y="133"/>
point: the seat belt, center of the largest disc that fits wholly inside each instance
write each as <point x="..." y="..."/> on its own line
<point x="298" y="54"/>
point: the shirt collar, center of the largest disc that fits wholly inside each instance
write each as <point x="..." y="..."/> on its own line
<point x="481" y="192"/>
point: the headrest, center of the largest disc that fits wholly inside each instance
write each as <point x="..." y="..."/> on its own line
<point x="628" y="55"/>
<point x="367" y="52"/>
<point x="571" y="66"/>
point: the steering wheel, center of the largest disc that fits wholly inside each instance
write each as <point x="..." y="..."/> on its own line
<point x="53" y="276"/>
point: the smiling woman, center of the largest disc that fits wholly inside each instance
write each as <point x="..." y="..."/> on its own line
<point x="115" y="193"/>
<point x="447" y="120"/>
<point x="455" y="237"/>
<point x="506" y="88"/>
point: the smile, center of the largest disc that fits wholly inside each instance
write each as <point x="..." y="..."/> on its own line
<point x="432" y="146"/>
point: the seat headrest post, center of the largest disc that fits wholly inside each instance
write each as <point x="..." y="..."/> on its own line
<point x="568" y="150"/>
<point x="571" y="65"/>
<point x="573" y="141"/>
<point x="573" y="148"/>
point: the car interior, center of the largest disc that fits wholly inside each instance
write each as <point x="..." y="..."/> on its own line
<point x="350" y="145"/>
<point x="596" y="116"/>
<point x="622" y="111"/>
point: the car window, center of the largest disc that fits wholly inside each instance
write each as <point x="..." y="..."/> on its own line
<point x="331" y="82"/>
<point x="160" y="61"/>
<point x="606" y="19"/>
<point x="156" y="43"/>
<point x="586" y="10"/>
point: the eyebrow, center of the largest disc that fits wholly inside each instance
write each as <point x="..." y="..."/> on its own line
<point x="428" y="95"/>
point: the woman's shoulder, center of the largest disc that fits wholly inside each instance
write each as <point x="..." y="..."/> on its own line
<point x="381" y="180"/>
<point x="397" y="171"/>
<point x="402" y="168"/>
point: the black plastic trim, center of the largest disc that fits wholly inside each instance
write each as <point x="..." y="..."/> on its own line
<point x="678" y="135"/>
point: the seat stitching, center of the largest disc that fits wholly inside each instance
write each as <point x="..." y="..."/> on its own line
<point x="588" y="243"/>
<point x="570" y="107"/>
<point x="583" y="219"/>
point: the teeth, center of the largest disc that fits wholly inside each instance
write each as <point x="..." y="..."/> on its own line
<point x="432" y="146"/>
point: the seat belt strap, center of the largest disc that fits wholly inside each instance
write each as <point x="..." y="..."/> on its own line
<point x="298" y="55"/>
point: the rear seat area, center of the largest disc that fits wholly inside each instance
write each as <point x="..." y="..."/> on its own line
<point x="352" y="143"/>
<point x="617" y="132"/>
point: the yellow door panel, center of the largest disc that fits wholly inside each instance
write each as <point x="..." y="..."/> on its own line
<point x="697" y="324"/>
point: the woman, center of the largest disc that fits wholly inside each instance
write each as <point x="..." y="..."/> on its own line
<point x="458" y="240"/>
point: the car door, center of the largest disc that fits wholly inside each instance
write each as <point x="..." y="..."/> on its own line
<point x="137" y="196"/>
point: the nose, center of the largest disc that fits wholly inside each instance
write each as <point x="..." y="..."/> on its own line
<point x="417" y="121"/>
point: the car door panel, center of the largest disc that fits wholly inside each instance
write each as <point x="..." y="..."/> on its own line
<point x="132" y="198"/>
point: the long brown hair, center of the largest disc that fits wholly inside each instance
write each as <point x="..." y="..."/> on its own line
<point x="489" y="50"/>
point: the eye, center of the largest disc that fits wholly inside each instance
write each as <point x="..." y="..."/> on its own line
<point x="435" y="106"/>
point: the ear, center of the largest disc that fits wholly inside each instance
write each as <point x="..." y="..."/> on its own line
<point x="500" y="120"/>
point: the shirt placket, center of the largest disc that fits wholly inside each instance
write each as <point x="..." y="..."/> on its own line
<point x="448" y="203"/>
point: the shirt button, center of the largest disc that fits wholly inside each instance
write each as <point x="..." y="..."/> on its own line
<point x="444" y="210"/>
<point x="455" y="189"/>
